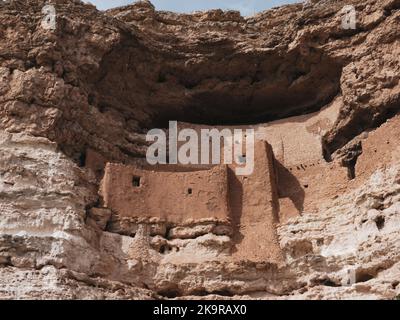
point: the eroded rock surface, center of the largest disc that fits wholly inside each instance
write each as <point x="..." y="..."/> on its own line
<point x="84" y="94"/>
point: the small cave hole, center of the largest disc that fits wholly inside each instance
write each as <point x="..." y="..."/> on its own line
<point x="190" y="85"/>
<point x="363" y="276"/>
<point x="99" y="172"/>
<point x="223" y="293"/>
<point x="164" y="249"/>
<point x="82" y="159"/>
<point x="161" y="78"/>
<point x="380" y="222"/>
<point x="190" y="191"/>
<point x="169" y="293"/>
<point x="200" y="293"/>
<point x="327" y="283"/>
<point x="102" y="108"/>
<point x="92" y="99"/>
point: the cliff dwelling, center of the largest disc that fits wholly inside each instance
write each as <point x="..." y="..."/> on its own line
<point x="244" y="208"/>
<point x="290" y="178"/>
<point x="84" y="215"/>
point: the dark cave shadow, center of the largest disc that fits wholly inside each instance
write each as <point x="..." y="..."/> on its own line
<point x="289" y="186"/>
<point x="236" y="207"/>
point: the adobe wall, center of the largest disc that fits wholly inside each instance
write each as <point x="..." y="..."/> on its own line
<point x="176" y="197"/>
<point x="304" y="188"/>
<point x="253" y="203"/>
<point x="254" y="209"/>
<point x="380" y="149"/>
<point x="303" y="176"/>
<point x="305" y="179"/>
<point x="306" y="185"/>
<point x="297" y="140"/>
<point x="248" y="203"/>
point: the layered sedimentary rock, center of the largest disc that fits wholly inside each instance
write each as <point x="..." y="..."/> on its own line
<point x="83" y="95"/>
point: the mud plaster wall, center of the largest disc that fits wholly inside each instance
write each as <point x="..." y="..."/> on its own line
<point x="302" y="174"/>
<point x="297" y="140"/>
<point x="380" y="149"/>
<point x="253" y="202"/>
<point x="176" y="197"/>
<point x="304" y="177"/>
<point x="306" y="187"/>
<point x="254" y="209"/>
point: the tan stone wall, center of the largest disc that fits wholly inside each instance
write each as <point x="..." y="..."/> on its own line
<point x="303" y="176"/>
<point x="249" y="203"/>
<point x="303" y="188"/>
<point x="306" y="187"/>
<point x="296" y="141"/>
<point x="176" y="197"/>
<point x="380" y="149"/>
<point x="254" y="207"/>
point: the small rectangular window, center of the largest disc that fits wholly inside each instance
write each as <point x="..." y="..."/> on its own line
<point x="136" y="182"/>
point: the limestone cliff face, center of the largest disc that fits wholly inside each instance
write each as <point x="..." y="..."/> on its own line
<point x="96" y="83"/>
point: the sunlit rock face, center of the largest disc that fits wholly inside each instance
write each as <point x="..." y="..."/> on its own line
<point x="319" y="219"/>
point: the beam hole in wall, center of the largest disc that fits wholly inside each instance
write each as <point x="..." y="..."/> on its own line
<point x="136" y="181"/>
<point x="189" y="191"/>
